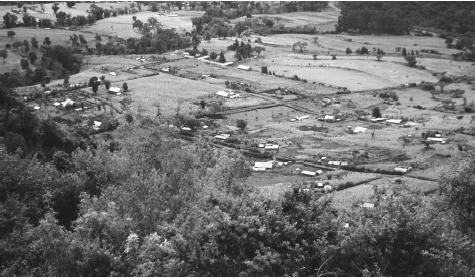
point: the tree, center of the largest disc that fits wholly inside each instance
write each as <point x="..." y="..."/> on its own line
<point x="46" y="41"/>
<point x="258" y="50"/>
<point x="70" y="4"/>
<point x="26" y="44"/>
<point x="129" y="118"/>
<point x="33" y="57"/>
<point x="55" y="8"/>
<point x="125" y="86"/>
<point x="238" y="56"/>
<point x="376" y="112"/>
<point x="444" y="81"/>
<point x="66" y="81"/>
<point x="241" y="124"/>
<point x="107" y="84"/>
<point x="34" y="42"/>
<point x="24" y="64"/>
<point x="10" y="20"/>
<point x="457" y="187"/>
<point x="379" y="54"/>
<point x="348" y="51"/>
<point x="213" y="55"/>
<point x="411" y="60"/>
<point x="202" y="104"/>
<point x="404" y="52"/>
<point x="137" y="24"/>
<point x="222" y="59"/>
<point x="10" y="34"/>
<point x="95" y="86"/>
<point x="301" y="45"/>
<point x="364" y="50"/>
<point x="4" y="54"/>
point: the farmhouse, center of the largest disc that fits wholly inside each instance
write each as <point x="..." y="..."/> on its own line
<point x="437" y="140"/>
<point x="114" y="90"/>
<point x="222" y="93"/>
<point x="262" y="166"/>
<point x="311" y="173"/>
<point x="271" y="147"/>
<point x="299" y="118"/>
<point x="402" y="170"/>
<point x="243" y="67"/>
<point x="394" y="121"/>
<point x="223" y="136"/>
<point x="359" y="129"/>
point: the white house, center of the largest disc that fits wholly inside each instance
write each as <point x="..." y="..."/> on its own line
<point x="114" y="90"/>
<point x="310" y="173"/>
<point x="271" y="147"/>
<point x="264" y="164"/>
<point x="394" y="121"/>
<point x="437" y="139"/>
<point x="223" y="136"/>
<point x="243" y="67"/>
<point x="222" y="93"/>
<point x="299" y="118"/>
<point x="359" y="129"/>
<point x="402" y="169"/>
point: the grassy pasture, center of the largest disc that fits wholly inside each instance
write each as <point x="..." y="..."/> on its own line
<point x="122" y="25"/>
<point x="168" y="91"/>
<point x="57" y="37"/>
<point x="361" y="193"/>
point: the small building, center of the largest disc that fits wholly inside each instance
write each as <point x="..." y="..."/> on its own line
<point x="271" y="147"/>
<point x="437" y="140"/>
<point x="263" y="165"/>
<point x="402" y="170"/>
<point x="244" y="67"/>
<point x="223" y="136"/>
<point x="67" y="102"/>
<point x="329" y="118"/>
<point x="311" y="173"/>
<point x="359" y="129"/>
<point x="394" y="121"/>
<point x="96" y="125"/>
<point x="334" y="163"/>
<point x="113" y="73"/>
<point x="378" y="119"/>
<point x="222" y="93"/>
<point x="299" y="118"/>
<point x="114" y="90"/>
<point x="367" y="205"/>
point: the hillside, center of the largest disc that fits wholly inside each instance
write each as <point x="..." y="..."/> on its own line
<point x="398" y="17"/>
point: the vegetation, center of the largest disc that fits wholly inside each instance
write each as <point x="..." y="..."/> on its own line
<point x="398" y="17"/>
<point x="102" y="224"/>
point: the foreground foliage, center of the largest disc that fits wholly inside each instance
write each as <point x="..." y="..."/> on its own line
<point x="158" y="206"/>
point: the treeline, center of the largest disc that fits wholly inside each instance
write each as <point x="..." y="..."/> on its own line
<point x="42" y="63"/>
<point x="63" y="19"/>
<point x="215" y="21"/>
<point x="157" y="206"/>
<point x="399" y="17"/>
<point x="21" y="129"/>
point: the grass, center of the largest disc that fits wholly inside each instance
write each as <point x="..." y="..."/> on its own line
<point x="168" y="91"/>
<point x="121" y="26"/>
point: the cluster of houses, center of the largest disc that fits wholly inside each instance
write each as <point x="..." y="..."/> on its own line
<point x="300" y="118"/>
<point x="228" y="94"/>
<point x="394" y="121"/>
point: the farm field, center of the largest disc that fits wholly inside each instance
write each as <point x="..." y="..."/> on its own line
<point x="121" y="25"/>
<point x="57" y="37"/>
